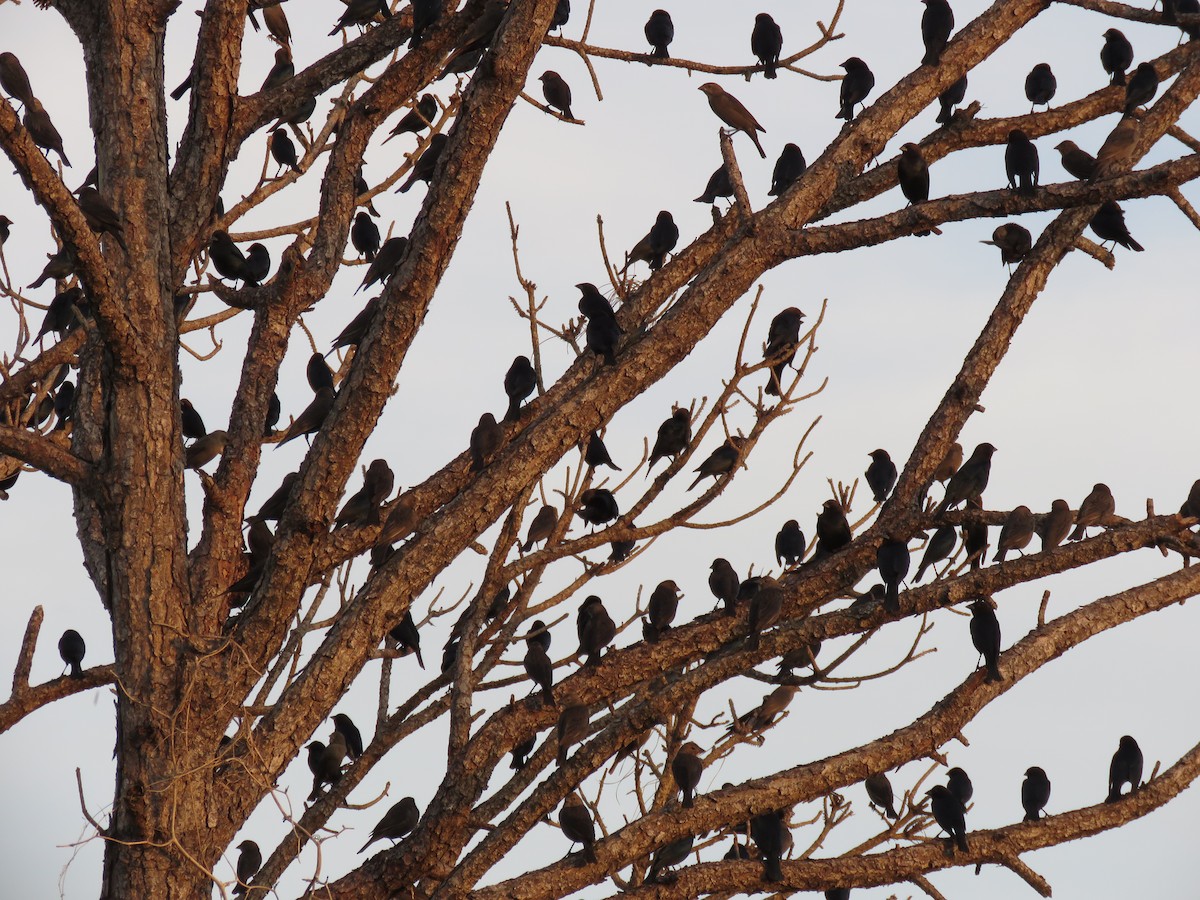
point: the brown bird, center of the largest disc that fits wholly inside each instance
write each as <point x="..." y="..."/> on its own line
<point x="312" y="418"/>
<point x="557" y="92"/>
<point x="541" y="527"/>
<point x="205" y="450"/>
<point x="1014" y="242"/>
<point x="540" y="669"/>
<point x="577" y="825"/>
<point x="276" y="21"/>
<point x="1056" y="524"/>
<point x="101" y="217"/>
<point x="764" y="714"/>
<point x="664" y="603"/>
<point x="41" y="129"/>
<point x="486" y="438"/>
<point x="14" y="80"/>
<point x="1078" y="163"/>
<point x="595" y="628"/>
<point x="731" y="111"/>
<point x="572" y="728"/>
<point x="1097" y="508"/>
<point x="1116" y="152"/>
<point x="686" y="769"/>
<point x="1015" y="533"/>
<point x="949" y="464"/>
<point x="362" y="508"/>
<point x="879" y="790"/>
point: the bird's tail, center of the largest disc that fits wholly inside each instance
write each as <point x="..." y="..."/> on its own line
<point x="961" y="840"/>
<point x="1031" y="816"/>
<point x="943" y="118"/>
<point x="772" y="869"/>
<point x="660" y="53"/>
<point x="76" y="670"/>
<point x="993" y="670"/>
<point x="1134" y="245"/>
<point x="931" y="58"/>
<point x="1118" y="78"/>
<point x="891" y="602"/>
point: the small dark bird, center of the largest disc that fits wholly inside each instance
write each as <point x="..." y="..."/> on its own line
<point x="1172" y="9"/>
<point x="1015" y="533"/>
<point x="42" y="131"/>
<point x="1191" y="506"/>
<point x="856" y="84"/>
<point x="540" y="669"/>
<point x="1109" y="225"/>
<point x="766" y="606"/>
<point x="666" y="857"/>
<point x="60" y="314"/>
<point x="1078" y="163"/>
<point x="660" y="31"/>
<point x="227" y="259"/>
<point x="686" y="769"/>
<point x="541" y="527"/>
<point x="14" y="80"/>
<point x="248" y="863"/>
<point x="1116" y="55"/>
<point x="283" y="151"/>
<point x="1097" y="508"/>
<point x="1056" y="524"/>
<point x="477" y="38"/>
<point x="422" y="170"/>
<point x="1142" y="86"/>
<point x="64" y="404"/>
<point x="58" y="267"/>
<point x="71" y="648"/>
<point x="879" y="790"/>
<point x="674" y="435"/>
<point x="416" y="119"/>
<point x="318" y="373"/>
<point x="425" y="13"/>
<point x="603" y="332"/>
<point x="763" y="715"/>
<point x="950" y="98"/>
<point x="499" y="602"/>
<point x="577" y="825"/>
<point x="892" y="560"/>
<point x="386" y="262"/>
<point x="789" y="543"/>
<point x="101" y="217"/>
<point x="723" y="581"/>
<point x="364" y="235"/>
<point x="1125" y="768"/>
<point x="595" y="629"/>
<point x="557" y="92"/>
<point x="833" y="531"/>
<point x="913" y="173"/>
<point x="658" y="242"/>
<point x="619" y="551"/>
<point x="881" y="475"/>
<point x="257" y="266"/>
<point x="363" y="507"/>
<point x="1021" y="162"/>
<point x="985" y="635"/>
<point x="959" y="785"/>
<point x="1035" y="793"/>
<point x="720" y="462"/>
<point x="766" y="43"/>
<point x="396" y="822"/>
<point x="936" y="24"/>
<point x="783" y="340"/>
<point x="597" y="506"/>
<point x="274" y="505"/>
<point x="282" y="71"/>
<point x="770" y="835"/>
<point x="361" y="13"/>
<point x="572" y="728"/>
<point x="596" y="454"/>
<point x="1116" y="153"/>
<point x="345" y="726"/>
<point x="1014" y="242"/>
<point x="940" y="546"/>
<point x="661" y="610"/>
<point x="520" y="753"/>
<point x="273" y="410"/>
<point x="788" y="169"/>
<point x="486" y="438"/>
<point x="408" y="638"/>
<point x="719" y="185"/>
<point x="5" y="222"/>
<point x="800" y="658"/>
<point x="205" y="450"/>
<point x="520" y="381"/>
<point x="731" y="111"/>
<point x="1040" y="85"/>
<point x="311" y="418"/>
<point x="562" y="15"/>
<point x="360" y="189"/>
<point x="949" y="815"/>
<point x="969" y="482"/>
<point x="193" y="425"/>
<point x="325" y="763"/>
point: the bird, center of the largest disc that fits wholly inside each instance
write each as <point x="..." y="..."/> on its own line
<point x="424" y="13"/>
<point x="557" y="92"/>
<point x="766" y="606"/>
<point x="1056" y="524"/>
<point x="275" y="19"/>
<point x="59" y="266"/>
<point x="422" y="170"/>
<point x="577" y="825"/>
<point x="1035" y="793"/>
<point x="731" y="111"/>
<point x="1014" y="242"/>
<point x="540" y="669"/>
<point x="249" y="861"/>
<point x="985" y="636"/>
<point x="1021" y="162"/>
<point x="1191" y="506"/>
<point x="879" y="790"/>
<point x="361" y="13"/>
<point x="101" y="217"/>
<point x="398" y="821"/>
<point x="619" y="551"/>
<point x="969" y="482"/>
<point x="597" y="506"/>
<point x="674" y="435"/>
<point x="770" y="834"/>
<point x="226" y="257"/>
<point x="520" y="753"/>
<point x="975" y="540"/>
<point x="71" y="648"/>
<point x="477" y="38"/>
<point x="14" y="80"/>
<point x="959" y="785"/>
<point x="661" y="610"/>
<point x="1040" y="85"/>
<point x="562" y="15"/>
<point x="788" y="169"/>
<point x="364" y="235"/>
<point x="42" y="131"/>
<point x="282" y="71"/>
<point x="1109" y="225"/>
<point x="764" y="714"/>
<point x="1172" y="9"/>
<point x="949" y="815"/>
<point x="856" y="84"/>
<point x="659" y="31"/>
<point x="672" y="854"/>
<point x="486" y="438"/>
<point x="789" y="543"/>
<point x="1097" y="508"/>
<point x="1116" y="55"/>
<point x="386" y="262"/>
<point x="1015" y="533"/>
<point x="783" y="340"/>
<point x="658" y="242"/>
<point x="799" y="658"/>
<point x="1116" y="153"/>
<point x="257" y="266"/>
<point x="913" y="174"/>
<point x="936" y="24"/>
<point x="595" y="628"/>
<point x="766" y="43"/>
<point x="318" y="373"/>
<point x="192" y="425"/>
<point x="274" y="505"/>
<point x="539" y="634"/>
<point x="572" y="727"/>
<point x="416" y="119"/>
<point x="719" y="185"/>
<point x="881" y="475"/>
<point x="833" y="530"/>
<point x="283" y="151"/>
<point x="325" y="763"/>
<point x="940" y="546"/>
<point x="720" y="462"/>
<point x="950" y="98"/>
<point x="1125" y="768"/>
<point x="723" y="581"/>
<point x="603" y="332"/>
<point x="205" y="450"/>
<point x="5" y="222"/>
<point x="1078" y="163"/>
<point x="686" y="769"/>
<point x="597" y="455"/>
<point x="520" y="381"/>
<point x="362" y="508"/>
<point x="892" y="559"/>
<point x="541" y="527"/>
<point x="408" y="638"/>
<point x="311" y="418"/>
<point x="1142" y="86"/>
<point x="345" y="726"/>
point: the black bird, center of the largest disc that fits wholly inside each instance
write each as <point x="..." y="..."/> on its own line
<point x="661" y="610"/>
<point x="318" y="373"/>
<point x="520" y="753"/>
<point x="949" y="815"/>
<point x="274" y="505"/>
<point x="42" y="131"/>
<point x="562" y="15"/>
<point x="311" y="418"/>
<point x="770" y="835"/>
<point x="64" y="404"/>
<point x="595" y="629"/>
<point x="248" y="863"/>
<point x="1035" y="793"/>
<point x="408" y="638"/>
<point x="364" y="235"/>
<point x="572" y="727"/>
<point x="71" y="648"/>
<point x="345" y="726"/>
<point x="1015" y="533"/>
<point x="724" y="582"/>
<point x="282" y="71"/>
<point x="766" y="43"/>
<point x="660" y="31"/>
<point x="842" y="893"/>
<point x="1109" y="225"/>
<point x="416" y="119"/>
<point x="1021" y="162"/>
<point x="361" y="13"/>
<point x="1056" y="524"/>
<point x="674" y="435"/>
<point x="788" y="169"/>
<point x="879" y="790"/>
<point x="1172" y="9"/>
<point x="672" y="854"/>
<point x="1040" y="85"/>
<point x="325" y="763"/>
<point x="596" y="454"/>
<point x="499" y="602"/>
<point x="833" y="530"/>
<point x="893" y="560"/>
<point x="783" y="340"/>
<point x="720" y="462"/>
<point x="950" y="98"/>
<point x="1078" y="163"/>
<point x="541" y="527"/>
<point x="658" y="242"/>
<point x="477" y="38"/>
<point x="193" y="425"/>
<point x="486" y="438"/>
<point x="14" y="80"/>
<point x="557" y="92"/>
<point x="257" y="266"/>
<point x="603" y="332"/>
<point x="936" y="24"/>
<point x="1116" y="55"/>
<point x="856" y="84"/>
<point x="881" y="475"/>
<point x="729" y="109"/>
<point x="540" y="669"/>
<point x="985" y="635"/>
<point x="598" y="506"/>
<point x="356" y="330"/>
<point x="577" y="825"/>
<point x="58" y="267"/>
<point x="363" y="507"/>
<point x="101" y="217"/>
<point x="283" y="151"/>
<point x="969" y="482"/>
<point x="1097" y="508"/>
<point x="1014" y="242"/>
<point x="686" y="769"/>
<point x="384" y="266"/>
<point x="940" y="546"/>
<point x="396" y="822"/>
<point x="422" y="170"/>
<point x="913" y="174"/>
<point x="619" y="551"/>
<point x="1142" y="86"/>
<point x="60" y="313"/>
<point x="959" y="785"/>
<point x="425" y="13"/>
<point x="539" y="634"/>
<point x="766" y="605"/>
<point x="719" y="185"/>
<point x="789" y="543"/>
<point x="520" y="381"/>
<point x="1125" y="768"/>
<point x="227" y="259"/>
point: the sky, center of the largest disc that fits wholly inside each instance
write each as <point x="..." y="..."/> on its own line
<point x="1096" y="387"/>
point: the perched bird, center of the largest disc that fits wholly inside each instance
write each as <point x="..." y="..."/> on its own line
<point x="101" y="217"/>
<point x="249" y="861"/>
<point x="1125" y="768"/>
<point x="719" y="185"/>
<point x="425" y="13"/>
<point x="486" y="438"/>
<point x="281" y="72"/>
<point x="59" y="266"/>
<point x="1015" y="533"/>
<point x="913" y="174"/>
<point x="892" y="559"/>
<point x="562" y="15"/>
<point x="226" y="257"/>
<point x="1035" y="793"/>
<point x="1109" y="225"/>
<point x="766" y="606"/>
<point x="1078" y="163"/>
<point x="856" y="84"/>
<point x="940" y="546"/>
<point x="724" y="582"/>
<point x="1116" y="55"/>
<point x="557" y="92"/>
<point x="950" y="98"/>
<point x="936" y="24"/>
<point x="318" y="373"/>
<point x="541" y="527"/>
<point x="361" y="13"/>
<point x="658" y="242"/>
<point x="985" y="635"/>
<point x="969" y="482"/>
<point x="660" y="31"/>
<point x="1021" y="162"/>
<point x="597" y="506"/>
<point x="5" y="222"/>
<point x="666" y="857"/>
<point x="361" y="188"/>
<point x="1142" y="86"/>
<point x="205" y="450"/>
<point x="766" y="43"/>
<point x="731" y="111"/>
<point x="879" y="790"/>
<point x="789" y="543"/>
<point x="603" y="332"/>
<point x="881" y="475"/>
<point x="193" y="425"/>
<point x="520" y="381"/>
<point x="362" y="508"/>
<point x="408" y="638"/>
<point x="14" y="80"/>
<point x="1116" y="153"/>
<point x="1172" y="9"/>
<point x="275" y="19"/>
<point x="949" y="815"/>
<point x="788" y="169"/>
<point x="416" y="119"/>
<point x="311" y="418"/>
<point x="1014" y="242"/>
<point x="540" y="669"/>
<point x="686" y="769"/>
<point x="396" y="822"/>
<point x="364" y="235"/>
<point x="577" y="825"/>
<point x="661" y="610"/>
<point x="274" y="505"/>
<point x="386" y="262"/>
<point x="1191" y="506"/>
<point x="520" y="753"/>
<point x="975" y="541"/>
<point x="283" y="151"/>
<point x="422" y="170"/>
<point x="674" y="435"/>
<point x="959" y="785"/>
<point x="764" y="714"/>
<point x="799" y="658"/>
<point x="595" y="629"/>
<point x="325" y="763"/>
<point x="477" y="38"/>
<point x="257" y="265"/>
<point x="833" y="530"/>
<point x="42" y="131"/>
<point x="71" y="648"/>
<point x="720" y="462"/>
<point x="345" y="726"/>
<point x="783" y="340"/>
<point x="1040" y="85"/>
<point x="619" y="551"/>
<point x="1056" y="524"/>
<point x="597" y="455"/>
<point x="572" y="728"/>
<point x="1097" y="508"/>
<point x="770" y="835"/>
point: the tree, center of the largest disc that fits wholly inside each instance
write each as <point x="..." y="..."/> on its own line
<point x="193" y="668"/>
